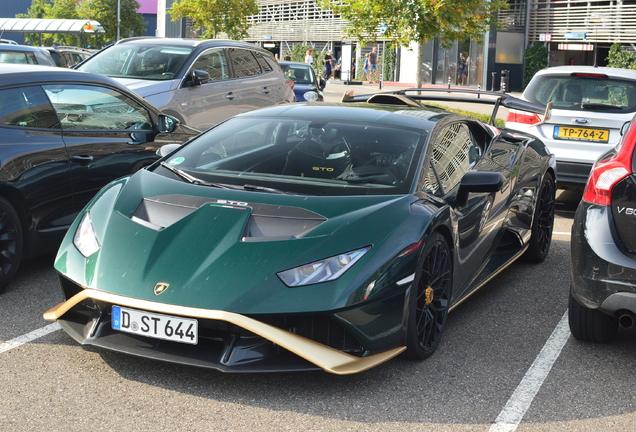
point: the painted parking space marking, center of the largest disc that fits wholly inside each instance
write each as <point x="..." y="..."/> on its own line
<point x="561" y="233"/>
<point x="509" y="418"/>
<point x="29" y="337"/>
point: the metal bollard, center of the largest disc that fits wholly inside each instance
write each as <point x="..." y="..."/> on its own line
<point x="449" y="82"/>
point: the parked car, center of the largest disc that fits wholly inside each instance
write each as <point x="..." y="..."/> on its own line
<point x="603" y="249"/>
<point x="65" y="134"/>
<point x="201" y="82"/>
<point x="67" y="56"/>
<point x="589" y="107"/>
<point x="307" y="86"/>
<point x="24" y="54"/>
<point x="306" y="236"/>
<point x="8" y="41"/>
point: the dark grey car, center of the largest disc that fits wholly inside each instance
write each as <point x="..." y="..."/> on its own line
<point x="24" y="54"/>
<point x="201" y="82"/>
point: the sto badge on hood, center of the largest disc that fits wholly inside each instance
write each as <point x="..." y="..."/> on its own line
<point x="161" y="287"/>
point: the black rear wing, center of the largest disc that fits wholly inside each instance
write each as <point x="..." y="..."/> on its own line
<point x="412" y="96"/>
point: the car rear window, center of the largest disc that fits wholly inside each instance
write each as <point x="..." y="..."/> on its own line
<point x="583" y="93"/>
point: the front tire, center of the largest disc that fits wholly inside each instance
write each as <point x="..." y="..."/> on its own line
<point x="11" y="243"/>
<point x="429" y="299"/>
<point x="590" y="325"/>
<point x="542" y="223"/>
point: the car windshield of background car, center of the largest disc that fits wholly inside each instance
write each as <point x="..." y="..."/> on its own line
<point x="316" y="157"/>
<point x="129" y="60"/>
<point x="587" y="94"/>
<point x="299" y="74"/>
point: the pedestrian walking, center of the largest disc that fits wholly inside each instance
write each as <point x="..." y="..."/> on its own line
<point x="309" y="59"/>
<point x="373" y="64"/>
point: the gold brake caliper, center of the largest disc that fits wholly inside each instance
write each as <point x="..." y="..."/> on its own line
<point x="429" y="295"/>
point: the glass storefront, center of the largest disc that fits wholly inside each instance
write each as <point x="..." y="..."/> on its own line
<point x="462" y="63"/>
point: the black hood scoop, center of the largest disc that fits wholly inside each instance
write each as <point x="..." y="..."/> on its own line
<point x="267" y="222"/>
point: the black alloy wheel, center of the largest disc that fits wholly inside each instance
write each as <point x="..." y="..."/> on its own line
<point x="429" y="299"/>
<point x="543" y="222"/>
<point x="10" y="243"/>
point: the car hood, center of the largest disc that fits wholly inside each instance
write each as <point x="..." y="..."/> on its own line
<point x="221" y="249"/>
<point x="145" y="88"/>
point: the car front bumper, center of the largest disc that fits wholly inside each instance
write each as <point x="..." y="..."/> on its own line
<point x="603" y="271"/>
<point x="235" y="342"/>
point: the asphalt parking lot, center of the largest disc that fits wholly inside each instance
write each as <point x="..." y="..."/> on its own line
<point x="506" y="363"/>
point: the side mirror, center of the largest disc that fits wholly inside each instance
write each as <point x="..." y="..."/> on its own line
<point x="197" y="77"/>
<point x="167" y="124"/>
<point x="478" y="181"/>
<point x="322" y="83"/>
<point x="625" y="127"/>
<point x="167" y="149"/>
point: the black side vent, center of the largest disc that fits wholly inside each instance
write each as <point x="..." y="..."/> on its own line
<point x="324" y="330"/>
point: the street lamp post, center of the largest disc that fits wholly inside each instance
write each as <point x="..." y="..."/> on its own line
<point x="118" y="17"/>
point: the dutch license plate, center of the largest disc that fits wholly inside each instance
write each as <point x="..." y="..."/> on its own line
<point x="158" y="326"/>
<point x="581" y="134"/>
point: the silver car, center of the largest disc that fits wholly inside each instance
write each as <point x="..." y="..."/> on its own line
<point x="201" y="82"/>
<point x="590" y="105"/>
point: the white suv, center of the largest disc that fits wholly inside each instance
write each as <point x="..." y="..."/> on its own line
<point x="589" y="107"/>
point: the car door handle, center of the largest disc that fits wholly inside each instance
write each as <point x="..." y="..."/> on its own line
<point x="230" y="96"/>
<point x="82" y="159"/>
<point x="266" y="90"/>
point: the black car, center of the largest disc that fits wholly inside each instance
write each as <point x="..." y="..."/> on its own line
<point x="603" y="291"/>
<point x="65" y="134"/>
<point x="308" y="86"/>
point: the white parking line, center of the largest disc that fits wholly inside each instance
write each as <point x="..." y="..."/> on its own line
<point x="26" y="338"/>
<point x="561" y="233"/>
<point x="509" y="418"/>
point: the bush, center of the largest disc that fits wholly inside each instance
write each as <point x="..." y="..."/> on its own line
<point x="536" y="59"/>
<point x="619" y="57"/>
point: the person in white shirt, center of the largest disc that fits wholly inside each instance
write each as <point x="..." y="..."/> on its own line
<point x="309" y="59"/>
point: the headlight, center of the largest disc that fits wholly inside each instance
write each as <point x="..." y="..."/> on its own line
<point x="324" y="270"/>
<point x="311" y="96"/>
<point x="85" y="239"/>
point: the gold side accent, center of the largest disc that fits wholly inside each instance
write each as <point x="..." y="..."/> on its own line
<point x="327" y="358"/>
<point x="502" y="268"/>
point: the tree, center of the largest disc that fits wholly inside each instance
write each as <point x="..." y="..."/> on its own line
<point x="105" y="12"/>
<point x="619" y="57"/>
<point x="38" y="9"/>
<point x="419" y="21"/>
<point x="217" y="16"/>
<point x="536" y="59"/>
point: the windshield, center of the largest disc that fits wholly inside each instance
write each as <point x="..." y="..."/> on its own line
<point x="315" y="157"/>
<point x="131" y="60"/>
<point x="300" y="74"/>
<point x="583" y="93"/>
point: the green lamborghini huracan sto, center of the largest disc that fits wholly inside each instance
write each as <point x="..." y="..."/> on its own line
<point x="306" y="236"/>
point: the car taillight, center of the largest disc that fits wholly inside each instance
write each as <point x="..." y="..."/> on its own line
<point x="605" y="174"/>
<point x="525" y="118"/>
<point x="290" y="83"/>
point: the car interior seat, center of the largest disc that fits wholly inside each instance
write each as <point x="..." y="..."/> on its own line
<point x="323" y="154"/>
<point x="573" y="94"/>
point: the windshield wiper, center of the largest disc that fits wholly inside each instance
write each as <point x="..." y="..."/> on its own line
<point x="255" y="188"/>
<point x="592" y="105"/>
<point x="192" y="179"/>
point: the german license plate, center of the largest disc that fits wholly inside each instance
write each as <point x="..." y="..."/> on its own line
<point x="158" y="326"/>
<point x="581" y="134"/>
